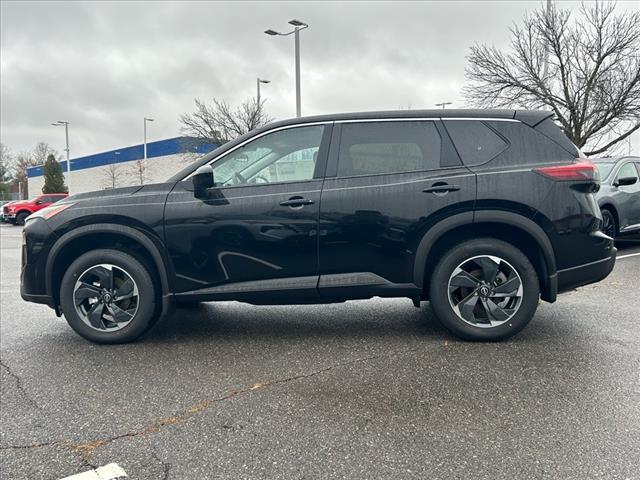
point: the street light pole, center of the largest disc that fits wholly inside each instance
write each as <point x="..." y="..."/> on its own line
<point x="443" y="104"/>
<point x="66" y="136"/>
<point x="298" y="25"/>
<point x="145" y="140"/>
<point x="258" y="82"/>
<point x="297" y="54"/>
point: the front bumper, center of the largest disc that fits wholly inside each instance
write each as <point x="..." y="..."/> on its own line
<point x="35" y="248"/>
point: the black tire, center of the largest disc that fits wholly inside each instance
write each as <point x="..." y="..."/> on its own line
<point x="514" y="260"/>
<point x="21" y="217"/>
<point x="145" y="315"/>
<point x="609" y="224"/>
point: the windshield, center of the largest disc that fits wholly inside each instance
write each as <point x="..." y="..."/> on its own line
<point x="604" y="168"/>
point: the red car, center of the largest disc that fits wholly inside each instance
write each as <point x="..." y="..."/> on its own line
<point x="17" y="212"/>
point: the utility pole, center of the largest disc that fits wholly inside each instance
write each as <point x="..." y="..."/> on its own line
<point x="443" y="104"/>
<point x="298" y="25"/>
<point x="66" y="135"/>
<point x="145" y="141"/>
<point x="258" y="82"/>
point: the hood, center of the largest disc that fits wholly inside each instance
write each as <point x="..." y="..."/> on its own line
<point x="115" y="193"/>
<point x="18" y="203"/>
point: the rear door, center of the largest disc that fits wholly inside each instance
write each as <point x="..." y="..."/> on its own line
<point x="387" y="183"/>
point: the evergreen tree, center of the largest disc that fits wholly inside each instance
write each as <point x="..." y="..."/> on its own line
<point x="53" y="178"/>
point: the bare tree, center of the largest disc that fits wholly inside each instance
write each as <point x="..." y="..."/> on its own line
<point x="219" y="122"/>
<point x="111" y="176"/>
<point x="23" y="161"/>
<point x="41" y="152"/>
<point x="138" y="170"/>
<point x="592" y="83"/>
<point x="6" y="162"/>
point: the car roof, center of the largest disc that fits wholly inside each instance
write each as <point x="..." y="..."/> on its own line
<point x="615" y="159"/>
<point x="530" y="117"/>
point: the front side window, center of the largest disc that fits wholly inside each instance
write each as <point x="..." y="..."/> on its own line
<point x="628" y="170"/>
<point x="371" y="148"/>
<point x="284" y="156"/>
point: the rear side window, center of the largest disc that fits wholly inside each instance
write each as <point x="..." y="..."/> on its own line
<point x="476" y="143"/>
<point x="371" y="148"/>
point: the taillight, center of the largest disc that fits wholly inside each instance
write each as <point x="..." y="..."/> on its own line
<point x="581" y="170"/>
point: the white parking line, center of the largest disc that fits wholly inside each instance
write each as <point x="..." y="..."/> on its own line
<point x="628" y="255"/>
<point x="113" y="471"/>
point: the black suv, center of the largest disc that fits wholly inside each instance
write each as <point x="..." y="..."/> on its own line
<point x="480" y="212"/>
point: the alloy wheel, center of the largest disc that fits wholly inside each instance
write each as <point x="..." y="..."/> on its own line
<point x="485" y="291"/>
<point x="608" y="224"/>
<point x="106" y="297"/>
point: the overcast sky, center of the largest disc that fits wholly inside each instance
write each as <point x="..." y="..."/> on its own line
<point x="103" y="66"/>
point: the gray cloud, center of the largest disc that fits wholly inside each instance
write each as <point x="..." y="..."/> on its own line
<point x="103" y="66"/>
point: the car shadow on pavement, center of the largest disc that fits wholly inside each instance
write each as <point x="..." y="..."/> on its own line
<point x="359" y="319"/>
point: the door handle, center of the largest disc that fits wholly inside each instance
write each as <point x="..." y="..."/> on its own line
<point x="296" y="202"/>
<point x="441" y="188"/>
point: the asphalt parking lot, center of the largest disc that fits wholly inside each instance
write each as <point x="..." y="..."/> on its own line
<point x="368" y="389"/>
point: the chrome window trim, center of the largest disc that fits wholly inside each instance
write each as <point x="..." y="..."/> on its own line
<point x="255" y="137"/>
<point x="403" y="119"/>
<point x="487" y="119"/>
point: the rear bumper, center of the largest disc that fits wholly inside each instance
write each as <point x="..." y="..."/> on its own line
<point x="587" y="273"/>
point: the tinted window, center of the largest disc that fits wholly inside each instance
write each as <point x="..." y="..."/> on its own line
<point x="549" y="128"/>
<point x="476" y="143"/>
<point x="50" y="198"/>
<point x="282" y="156"/>
<point x="371" y="148"/>
<point x="627" y="170"/>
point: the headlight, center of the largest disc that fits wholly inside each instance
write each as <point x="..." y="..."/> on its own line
<point x="50" y="211"/>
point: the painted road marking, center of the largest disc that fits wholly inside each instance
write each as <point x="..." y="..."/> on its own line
<point x="628" y="255"/>
<point x="113" y="471"/>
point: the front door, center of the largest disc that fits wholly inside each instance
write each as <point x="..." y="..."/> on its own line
<point x="256" y="232"/>
<point x="628" y="197"/>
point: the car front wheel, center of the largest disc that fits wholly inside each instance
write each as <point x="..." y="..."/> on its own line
<point x="108" y="296"/>
<point x="484" y="289"/>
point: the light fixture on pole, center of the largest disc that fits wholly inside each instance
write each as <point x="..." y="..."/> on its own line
<point x="258" y="82"/>
<point x="443" y="104"/>
<point x="145" y="140"/>
<point x="298" y="25"/>
<point x="59" y="123"/>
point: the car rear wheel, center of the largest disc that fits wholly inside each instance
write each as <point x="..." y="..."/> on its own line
<point x="609" y="225"/>
<point x="484" y="289"/>
<point x="108" y="296"/>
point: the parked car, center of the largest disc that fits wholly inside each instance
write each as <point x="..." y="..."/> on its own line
<point x="619" y="195"/>
<point x="17" y="212"/>
<point x="480" y="212"/>
<point x="3" y="204"/>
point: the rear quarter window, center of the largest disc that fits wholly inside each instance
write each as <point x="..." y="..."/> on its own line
<point x="527" y="146"/>
<point x="550" y="130"/>
<point x="475" y="142"/>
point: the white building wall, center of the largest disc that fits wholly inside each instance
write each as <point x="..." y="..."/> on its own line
<point x="158" y="170"/>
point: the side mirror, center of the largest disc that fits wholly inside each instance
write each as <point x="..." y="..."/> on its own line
<point x="621" y="182"/>
<point x="39" y="202"/>
<point x="202" y="181"/>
